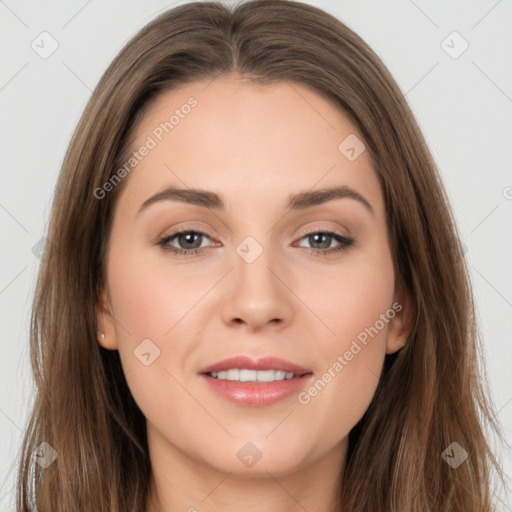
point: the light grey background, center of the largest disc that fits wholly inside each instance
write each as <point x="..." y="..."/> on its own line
<point x="463" y="105"/>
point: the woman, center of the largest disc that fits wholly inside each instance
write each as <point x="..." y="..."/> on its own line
<point x="254" y="368"/>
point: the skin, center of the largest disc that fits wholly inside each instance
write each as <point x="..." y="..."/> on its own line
<point x="254" y="145"/>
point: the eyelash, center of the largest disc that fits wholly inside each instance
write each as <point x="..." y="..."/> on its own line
<point x="345" y="241"/>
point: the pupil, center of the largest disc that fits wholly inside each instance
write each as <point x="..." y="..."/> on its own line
<point x="325" y="246"/>
<point x="188" y="235"/>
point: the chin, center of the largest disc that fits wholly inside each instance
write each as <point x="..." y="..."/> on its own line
<point x="255" y="458"/>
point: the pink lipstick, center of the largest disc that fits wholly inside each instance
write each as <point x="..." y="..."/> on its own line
<point x="255" y="383"/>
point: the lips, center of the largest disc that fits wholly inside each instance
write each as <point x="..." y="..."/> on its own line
<point x="265" y="363"/>
<point x="255" y="394"/>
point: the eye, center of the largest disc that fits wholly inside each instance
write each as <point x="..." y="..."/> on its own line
<point x="321" y="242"/>
<point x="190" y="242"/>
<point x="185" y="237"/>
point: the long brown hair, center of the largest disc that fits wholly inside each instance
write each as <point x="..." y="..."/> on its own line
<point x="431" y="393"/>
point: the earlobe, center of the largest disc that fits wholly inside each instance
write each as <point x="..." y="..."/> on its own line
<point x="400" y="326"/>
<point x="105" y="326"/>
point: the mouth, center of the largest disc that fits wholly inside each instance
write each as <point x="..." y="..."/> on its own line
<point x="250" y="383"/>
<point x="247" y="375"/>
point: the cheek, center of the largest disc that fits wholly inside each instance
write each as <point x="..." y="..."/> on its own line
<point x="150" y="312"/>
<point x="157" y="300"/>
<point x="146" y="306"/>
<point x="350" y="296"/>
<point x="352" y="350"/>
<point x="150" y="294"/>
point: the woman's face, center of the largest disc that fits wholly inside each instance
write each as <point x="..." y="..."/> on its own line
<point x="260" y="284"/>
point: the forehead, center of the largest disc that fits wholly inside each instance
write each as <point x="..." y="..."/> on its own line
<point x="248" y="142"/>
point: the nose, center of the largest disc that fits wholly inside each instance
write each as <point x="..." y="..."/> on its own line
<point x="258" y="294"/>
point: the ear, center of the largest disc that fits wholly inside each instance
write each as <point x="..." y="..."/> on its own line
<point x="105" y="321"/>
<point x="401" y="325"/>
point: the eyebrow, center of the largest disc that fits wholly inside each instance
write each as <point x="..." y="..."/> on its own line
<point x="299" y="201"/>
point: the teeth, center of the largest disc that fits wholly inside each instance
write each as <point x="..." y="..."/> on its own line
<point x="232" y="374"/>
<point x="245" y="375"/>
<point x="253" y="375"/>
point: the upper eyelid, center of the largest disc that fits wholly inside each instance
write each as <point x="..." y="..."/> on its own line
<point x="325" y="230"/>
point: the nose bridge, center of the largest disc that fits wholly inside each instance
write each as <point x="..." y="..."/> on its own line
<point x="254" y="261"/>
<point x="258" y="295"/>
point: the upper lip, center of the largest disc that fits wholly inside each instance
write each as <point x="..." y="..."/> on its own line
<point x="265" y="363"/>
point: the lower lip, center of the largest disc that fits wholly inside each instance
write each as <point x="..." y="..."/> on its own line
<point x="256" y="394"/>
